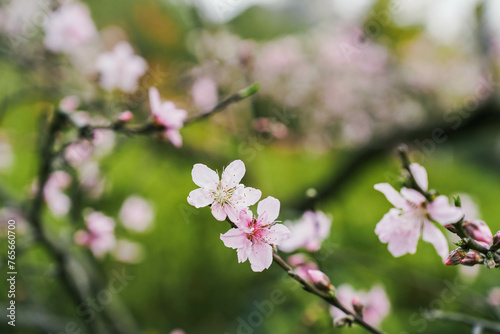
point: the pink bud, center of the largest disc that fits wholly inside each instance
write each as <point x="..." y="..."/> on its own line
<point x="471" y="259"/>
<point x="451" y="228"/>
<point x="496" y="242"/>
<point x="358" y="307"/>
<point x="479" y="231"/>
<point x="319" y="279"/>
<point x="455" y="258"/>
<point x="125" y="116"/>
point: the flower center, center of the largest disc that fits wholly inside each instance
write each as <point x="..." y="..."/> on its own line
<point x="221" y="195"/>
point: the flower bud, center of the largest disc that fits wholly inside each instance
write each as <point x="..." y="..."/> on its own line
<point x="348" y="320"/>
<point x="320" y="280"/>
<point x="496" y="242"/>
<point x="358" y="307"/>
<point x="451" y="228"/>
<point x="478" y="230"/>
<point x="455" y="257"/>
<point x="471" y="259"/>
<point x="125" y="116"/>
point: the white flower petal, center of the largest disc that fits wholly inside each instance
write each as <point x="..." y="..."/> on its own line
<point x="200" y="198"/>
<point x="441" y="211"/>
<point x="433" y="234"/>
<point x="261" y="256"/>
<point x="392" y="195"/>
<point x="233" y="174"/>
<point x="269" y="206"/>
<point x="204" y="177"/>
<point x="218" y="212"/>
<point x="420" y="175"/>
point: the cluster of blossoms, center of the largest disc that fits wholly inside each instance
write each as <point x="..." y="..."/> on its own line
<point x="252" y="237"/>
<point x="416" y="210"/>
<point x="136" y="215"/>
<point x="255" y="238"/>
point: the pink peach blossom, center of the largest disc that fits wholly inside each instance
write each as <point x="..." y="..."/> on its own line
<point x="375" y="302"/>
<point x="136" y="214"/>
<point x="99" y="236"/>
<point x="226" y="196"/>
<point x="68" y="28"/>
<point x="166" y="114"/>
<point x="205" y="94"/>
<point x="494" y="297"/>
<point x="125" y="116"/>
<point x="57" y="201"/>
<point x="128" y="252"/>
<point x="120" y="68"/>
<point x="69" y="103"/>
<point x="254" y="238"/>
<point x="309" y="232"/>
<point x="401" y="227"/>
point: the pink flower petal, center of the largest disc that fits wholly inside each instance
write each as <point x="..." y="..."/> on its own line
<point x="233" y="174"/>
<point x="204" y="177"/>
<point x="200" y="197"/>
<point x="441" y="211"/>
<point x="218" y="212"/>
<point x="174" y="136"/>
<point x="433" y="235"/>
<point x="420" y="175"/>
<point x="392" y="195"/>
<point x="154" y="101"/>
<point x="244" y="251"/>
<point x="234" y="238"/>
<point x="276" y="234"/>
<point x="261" y="256"/>
<point x="231" y="213"/>
<point x="250" y="197"/>
<point x="413" y="196"/>
<point x="271" y="207"/>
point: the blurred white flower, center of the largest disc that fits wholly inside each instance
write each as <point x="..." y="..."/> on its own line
<point x="120" y="68"/>
<point x="136" y="214"/>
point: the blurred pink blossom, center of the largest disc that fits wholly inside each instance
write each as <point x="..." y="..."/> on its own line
<point x="136" y="214"/>
<point x="57" y="201"/>
<point x="99" y="236"/>
<point x="226" y="196"/>
<point x="90" y="178"/>
<point x="177" y="331"/>
<point x="401" y="227"/>
<point x="302" y="265"/>
<point x="125" y="116"/>
<point x="69" y="103"/>
<point x="128" y="251"/>
<point x="308" y="232"/>
<point x="494" y="297"/>
<point x="375" y="302"/>
<point x="68" y="28"/>
<point x="166" y="114"/>
<point x="254" y="238"/>
<point x="120" y="68"/>
<point x="205" y="94"/>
